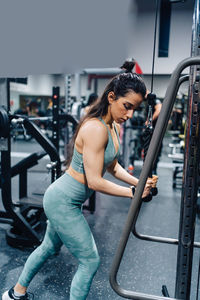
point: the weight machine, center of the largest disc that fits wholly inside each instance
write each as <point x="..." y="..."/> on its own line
<point x="185" y="240"/>
<point x="26" y="229"/>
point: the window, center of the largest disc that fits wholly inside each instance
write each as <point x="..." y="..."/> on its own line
<point x="164" y="32"/>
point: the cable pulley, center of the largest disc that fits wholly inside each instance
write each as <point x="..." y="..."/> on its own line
<point x="148" y="132"/>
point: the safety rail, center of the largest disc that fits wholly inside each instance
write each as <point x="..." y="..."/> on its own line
<point x="161" y="239"/>
<point x="148" y="163"/>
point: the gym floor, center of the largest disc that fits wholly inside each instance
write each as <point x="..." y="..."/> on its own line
<point x="145" y="267"/>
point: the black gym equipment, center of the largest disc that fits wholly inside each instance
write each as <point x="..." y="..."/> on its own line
<point x="189" y="194"/>
<point x="26" y="215"/>
<point x="185" y="241"/>
<point x="156" y="238"/>
<point x="25" y="229"/>
<point x="148" y="132"/>
<point x="147" y="135"/>
<point x="135" y="125"/>
<point x="178" y="158"/>
<point x="4" y="123"/>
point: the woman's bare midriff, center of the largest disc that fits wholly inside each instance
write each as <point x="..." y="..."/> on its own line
<point x="76" y="175"/>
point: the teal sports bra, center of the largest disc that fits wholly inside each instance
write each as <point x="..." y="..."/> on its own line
<point x="110" y="153"/>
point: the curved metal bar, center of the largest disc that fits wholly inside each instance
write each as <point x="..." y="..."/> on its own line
<point x="68" y="118"/>
<point x="158" y="238"/>
<point x="153" y="238"/>
<point x="137" y="199"/>
<point x="41" y="138"/>
<point x="63" y="116"/>
<point x="46" y="144"/>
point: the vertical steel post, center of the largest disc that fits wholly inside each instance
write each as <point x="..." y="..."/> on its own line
<point x="55" y="125"/>
<point x="190" y="174"/>
<point x="68" y="102"/>
<point x="6" y="148"/>
<point x="68" y="109"/>
<point x="56" y="129"/>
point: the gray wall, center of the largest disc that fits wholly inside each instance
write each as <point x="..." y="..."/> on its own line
<point x="142" y="15"/>
<point x="103" y="34"/>
<point x="46" y="37"/>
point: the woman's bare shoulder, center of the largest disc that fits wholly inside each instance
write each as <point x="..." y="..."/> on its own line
<point x="93" y="128"/>
<point x="93" y="124"/>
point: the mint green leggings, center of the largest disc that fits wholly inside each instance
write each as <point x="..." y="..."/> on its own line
<point x="66" y="225"/>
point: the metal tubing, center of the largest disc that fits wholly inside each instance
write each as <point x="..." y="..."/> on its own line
<point x="55" y="124"/>
<point x="190" y="173"/>
<point x="137" y="199"/>
<point x="18" y="119"/>
<point x="47" y="145"/>
<point x="158" y="238"/>
<point x="41" y="138"/>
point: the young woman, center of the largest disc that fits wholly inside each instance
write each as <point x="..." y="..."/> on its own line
<point x="96" y="149"/>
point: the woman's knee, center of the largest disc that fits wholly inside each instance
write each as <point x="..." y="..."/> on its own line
<point x="48" y="249"/>
<point x="97" y="261"/>
<point x="92" y="263"/>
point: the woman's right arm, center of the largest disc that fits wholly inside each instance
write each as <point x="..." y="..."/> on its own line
<point x="94" y="138"/>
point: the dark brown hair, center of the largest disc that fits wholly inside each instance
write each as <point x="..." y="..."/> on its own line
<point x="121" y="85"/>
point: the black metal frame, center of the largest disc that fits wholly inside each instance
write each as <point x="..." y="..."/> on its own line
<point x="157" y="238"/>
<point x="190" y="172"/>
<point x="55" y="124"/>
<point x="13" y="212"/>
<point x="137" y="200"/>
<point x="190" y="176"/>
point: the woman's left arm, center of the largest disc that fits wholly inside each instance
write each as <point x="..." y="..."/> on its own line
<point x="120" y="173"/>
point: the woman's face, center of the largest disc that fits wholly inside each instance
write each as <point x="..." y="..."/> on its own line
<point x="123" y="108"/>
